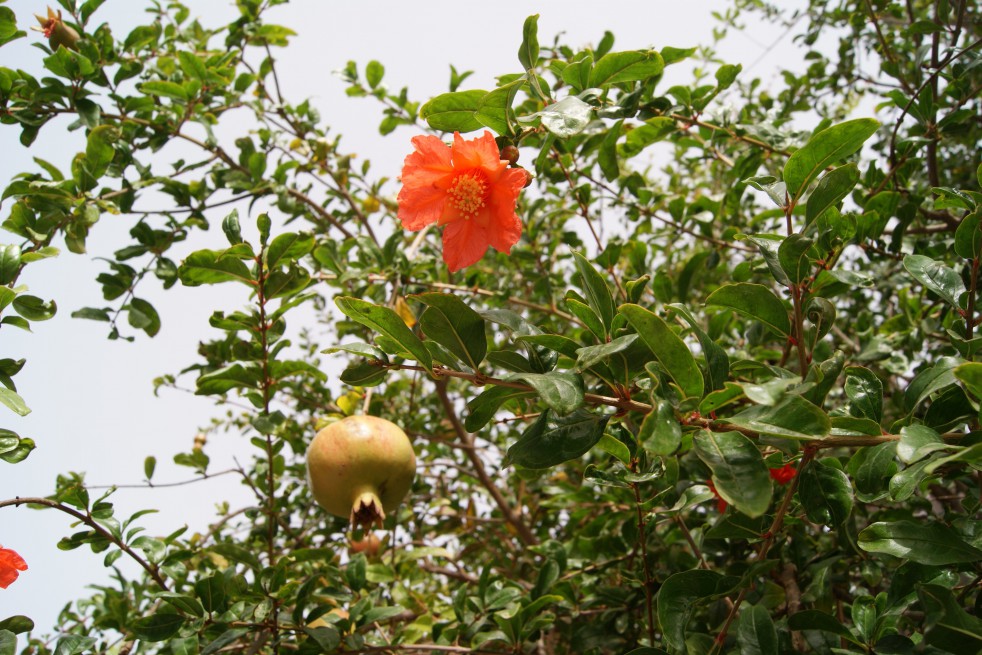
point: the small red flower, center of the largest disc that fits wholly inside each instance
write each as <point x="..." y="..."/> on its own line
<point x="468" y="188"/>
<point x="720" y="503"/>
<point x="11" y="564"/>
<point x="784" y="474"/>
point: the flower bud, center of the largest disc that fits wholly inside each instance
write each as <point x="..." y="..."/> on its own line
<point x="57" y="31"/>
<point x="510" y="154"/>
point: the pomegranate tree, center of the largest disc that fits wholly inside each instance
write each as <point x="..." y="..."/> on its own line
<point x="360" y="468"/>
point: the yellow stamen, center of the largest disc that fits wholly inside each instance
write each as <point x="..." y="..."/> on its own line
<point x="467" y="194"/>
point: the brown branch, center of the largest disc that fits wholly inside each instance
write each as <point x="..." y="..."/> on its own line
<point x="526" y="534"/>
<point x="94" y="525"/>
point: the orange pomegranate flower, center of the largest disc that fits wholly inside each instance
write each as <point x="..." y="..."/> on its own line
<point x="11" y="564"/>
<point x="465" y="187"/>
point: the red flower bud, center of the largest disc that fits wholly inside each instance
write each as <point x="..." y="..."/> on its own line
<point x="784" y="474"/>
<point x="11" y="564"/>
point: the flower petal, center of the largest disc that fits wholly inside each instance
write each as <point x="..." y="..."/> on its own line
<point x="506" y="228"/>
<point x="426" y="174"/>
<point x="481" y="152"/>
<point x="10" y="565"/>
<point x="464" y="243"/>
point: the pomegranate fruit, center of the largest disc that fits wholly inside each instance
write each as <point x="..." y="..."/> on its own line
<point x="360" y="467"/>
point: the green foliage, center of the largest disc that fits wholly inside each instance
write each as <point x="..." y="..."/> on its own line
<point x="743" y="416"/>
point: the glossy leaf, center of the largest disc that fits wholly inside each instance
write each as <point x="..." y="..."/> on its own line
<point x="628" y="66"/>
<point x="937" y="277"/>
<point x="825" y="493"/>
<point x="830" y="190"/>
<point x="564" y="118"/>
<point x="968" y="236"/>
<point x="482" y="408"/>
<point x="793" y="418"/>
<point x="925" y="543"/>
<point x="755" y="301"/>
<point x="950" y="627"/>
<point x="386" y="322"/>
<point x="917" y="442"/>
<point x="865" y="392"/>
<point x="453" y="112"/>
<point x="739" y="472"/>
<point x="561" y="391"/>
<point x="528" y="53"/>
<point x="824" y="149"/>
<point x="668" y="348"/>
<point x="681" y="594"/>
<point x="717" y="361"/>
<point x="756" y="633"/>
<point x="793" y="255"/>
<point x="213" y="267"/>
<point x="596" y="290"/>
<point x="455" y="326"/>
<point x="554" y="440"/>
<point x="660" y="431"/>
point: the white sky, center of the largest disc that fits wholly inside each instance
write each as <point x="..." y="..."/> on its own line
<point x="92" y="400"/>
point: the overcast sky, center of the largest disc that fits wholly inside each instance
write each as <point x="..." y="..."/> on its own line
<point x="92" y="399"/>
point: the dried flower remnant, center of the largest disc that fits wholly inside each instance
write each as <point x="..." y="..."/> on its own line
<point x="466" y="187"/>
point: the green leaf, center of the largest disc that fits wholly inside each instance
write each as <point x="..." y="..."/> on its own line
<point x="565" y="118"/>
<point x="482" y="408"/>
<point x="871" y="469"/>
<point x="33" y="308"/>
<point x="386" y="322"/>
<point x="288" y="247"/>
<point x="816" y="620"/>
<point x="232" y="228"/>
<point x="165" y="89"/>
<point x="652" y="131"/>
<point x="592" y="355"/>
<point x="739" y="472"/>
<point x="551" y="440"/>
<point x="937" y="277"/>
<point x="73" y="644"/>
<point x="865" y="392"/>
<point x="628" y="66"/>
<point x="755" y="301"/>
<point x="968" y="236"/>
<point x="561" y="391"/>
<point x="597" y="292"/>
<point x="660" y="431"/>
<point x="793" y="256"/>
<point x="100" y="149"/>
<point x="830" y="190"/>
<point x="494" y="110"/>
<point x="13" y="400"/>
<point x="756" y="633"/>
<point x="824" y="149"/>
<point x="607" y="156"/>
<point x="825" y="493"/>
<point x="187" y="604"/>
<point x="917" y="442"/>
<point x="792" y="418"/>
<point x="143" y="316"/>
<point x="681" y="594"/>
<point x="214" y="267"/>
<point x="453" y="112"/>
<point x="587" y="316"/>
<point x="949" y="627"/>
<point x="374" y="72"/>
<point x="528" y="53"/>
<point x="717" y="361"/>
<point x="9" y="263"/>
<point x="13" y="448"/>
<point x="668" y="348"/>
<point x="455" y="326"/>
<point x="17" y="624"/>
<point x="157" y="627"/>
<point x="925" y="543"/>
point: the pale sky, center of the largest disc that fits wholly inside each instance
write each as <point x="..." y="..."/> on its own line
<point x="92" y="399"/>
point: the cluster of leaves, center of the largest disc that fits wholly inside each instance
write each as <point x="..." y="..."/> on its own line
<point x="670" y="329"/>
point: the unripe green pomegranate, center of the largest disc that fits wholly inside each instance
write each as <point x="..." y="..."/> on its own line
<point x="57" y="31"/>
<point x="360" y="468"/>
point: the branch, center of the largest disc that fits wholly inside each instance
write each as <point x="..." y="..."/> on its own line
<point x="98" y="529"/>
<point x="510" y="515"/>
